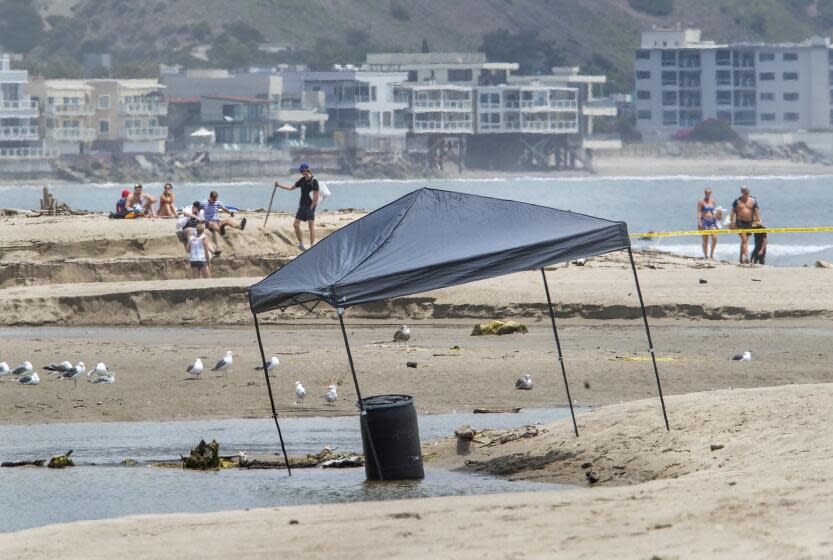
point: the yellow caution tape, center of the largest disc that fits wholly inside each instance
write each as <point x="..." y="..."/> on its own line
<point x="734" y="231"/>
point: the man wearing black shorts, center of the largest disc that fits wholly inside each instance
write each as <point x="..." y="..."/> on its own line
<point x="306" y="206"/>
<point x="745" y="211"/>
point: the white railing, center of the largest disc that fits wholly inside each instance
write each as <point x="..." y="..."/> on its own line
<point x="563" y="104"/>
<point x="511" y="104"/>
<point x="457" y="125"/>
<point x="536" y="125"/>
<point x="533" y="104"/>
<point x="489" y="105"/>
<point x="18" y="133"/>
<point x="440" y="125"/>
<point x="71" y="109"/>
<point x="25" y="106"/>
<point x="143" y="108"/>
<point x="457" y="104"/>
<point x="27" y="153"/>
<point x="513" y="125"/>
<point x="72" y="134"/>
<point x="427" y="103"/>
<point x="564" y="125"/>
<point x="13" y="76"/>
<point x="152" y="133"/>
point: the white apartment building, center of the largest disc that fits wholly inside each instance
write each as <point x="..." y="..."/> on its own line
<point x="19" y="133"/>
<point x="682" y="80"/>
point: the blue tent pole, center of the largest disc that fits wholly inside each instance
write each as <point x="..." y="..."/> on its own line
<point x="363" y="412"/>
<point x="558" y="347"/>
<point x="650" y="343"/>
<point x="271" y="397"/>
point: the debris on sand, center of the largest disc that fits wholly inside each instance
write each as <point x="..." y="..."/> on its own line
<point x="61" y="461"/>
<point x="499" y="328"/>
<point x="203" y="457"/>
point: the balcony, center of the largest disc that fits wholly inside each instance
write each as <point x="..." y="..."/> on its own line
<point x="143" y="109"/>
<point x="443" y="104"/>
<point x="429" y="126"/>
<point x="540" y="104"/>
<point x="567" y="104"/>
<point x="72" y="134"/>
<point x="20" y="108"/>
<point x="548" y="126"/>
<point x="19" y="133"/>
<point x="71" y="110"/>
<point x="26" y="153"/>
<point x="145" y="134"/>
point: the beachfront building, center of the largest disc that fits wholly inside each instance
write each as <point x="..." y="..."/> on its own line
<point x="757" y="88"/>
<point x="461" y="69"/>
<point x="102" y="114"/>
<point x="19" y="133"/>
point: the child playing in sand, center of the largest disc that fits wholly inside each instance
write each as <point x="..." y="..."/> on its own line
<point x="198" y="250"/>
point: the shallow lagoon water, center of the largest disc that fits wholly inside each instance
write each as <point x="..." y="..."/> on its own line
<point x="99" y="488"/>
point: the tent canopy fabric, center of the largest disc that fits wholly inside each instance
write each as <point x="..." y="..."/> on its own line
<point x="431" y="239"/>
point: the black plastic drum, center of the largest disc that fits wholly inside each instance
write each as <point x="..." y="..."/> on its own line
<point x="391" y="422"/>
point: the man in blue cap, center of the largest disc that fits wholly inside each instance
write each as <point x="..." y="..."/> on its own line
<point x="306" y="206"/>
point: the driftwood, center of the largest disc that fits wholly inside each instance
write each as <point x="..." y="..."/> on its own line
<point x="326" y="459"/>
<point x="504" y="410"/>
<point x="35" y="463"/>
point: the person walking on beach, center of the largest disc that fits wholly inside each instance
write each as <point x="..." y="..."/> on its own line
<point x="745" y="212"/>
<point x="212" y="208"/>
<point x="707" y="221"/>
<point x="306" y="206"/>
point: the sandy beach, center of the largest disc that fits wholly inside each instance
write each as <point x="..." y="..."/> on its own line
<point x="743" y="472"/>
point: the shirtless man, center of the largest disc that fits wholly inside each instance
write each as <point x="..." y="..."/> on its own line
<point x="745" y="212"/>
<point x="142" y="199"/>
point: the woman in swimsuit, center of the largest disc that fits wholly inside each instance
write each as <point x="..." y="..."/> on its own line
<point x="706" y="220"/>
<point x="166" y="202"/>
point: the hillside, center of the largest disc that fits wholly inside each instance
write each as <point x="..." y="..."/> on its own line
<point x="597" y="33"/>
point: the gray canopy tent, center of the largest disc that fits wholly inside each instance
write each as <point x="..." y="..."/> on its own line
<point x="431" y="239"/>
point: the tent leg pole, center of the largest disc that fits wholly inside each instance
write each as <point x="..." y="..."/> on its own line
<point x="269" y="210"/>
<point x="650" y="342"/>
<point x="558" y="347"/>
<point x="271" y="397"/>
<point x="363" y="413"/>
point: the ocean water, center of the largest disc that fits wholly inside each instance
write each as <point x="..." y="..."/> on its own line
<point x="98" y="488"/>
<point x="646" y="204"/>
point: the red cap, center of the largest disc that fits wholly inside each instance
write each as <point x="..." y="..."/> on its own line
<point x="125" y="193"/>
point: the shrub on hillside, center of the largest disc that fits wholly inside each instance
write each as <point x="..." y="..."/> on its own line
<point x="653" y="7"/>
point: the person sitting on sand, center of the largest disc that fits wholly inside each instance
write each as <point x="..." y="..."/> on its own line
<point x="707" y="221"/>
<point x="187" y="223"/>
<point x="121" y="205"/>
<point x="140" y="199"/>
<point x="198" y="250"/>
<point x="213" y="207"/>
<point x="166" y="202"/>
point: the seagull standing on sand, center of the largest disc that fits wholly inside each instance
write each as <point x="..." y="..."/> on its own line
<point x="745" y="357"/>
<point x="74" y="373"/>
<point x="403" y="335"/>
<point x="32" y="379"/>
<point x="4" y="369"/>
<point x="524" y="382"/>
<point x="23" y="369"/>
<point x="224" y="364"/>
<point x="300" y="392"/>
<point x="109" y="378"/>
<point x="332" y="395"/>
<point x="195" y="369"/>
<point x="100" y="370"/>
<point x="58" y="368"/>
<point x="270" y="365"/>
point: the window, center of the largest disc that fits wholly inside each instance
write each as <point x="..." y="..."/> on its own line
<point x="643" y="75"/>
<point x="643" y="55"/>
<point x="724" y="77"/>
<point x="669" y="78"/>
<point x="766" y="76"/>
<point x="766" y="57"/>
<point x="669" y="58"/>
<point x="788" y="76"/>
<point x="386" y="118"/>
<point x="412" y="75"/>
<point x="643" y="94"/>
<point x="725" y="116"/>
<point x="104" y="126"/>
<point x="669" y="117"/>
<point x="791" y="96"/>
<point x="767" y="97"/>
<point x="723" y="58"/>
<point x="643" y="115"/>
<point x="669" y="98"/>
<point x="767" y="116"/>
<point x="791" y="117"/>
<point x="132" y="123"/>
<point x="104" y="102"/>
<point x="724" y="97"/>
<point x="459" y="75"/>
<point x="373" y="93"/>
<point x="790" y="56"/>
<point x="50" y="100"/>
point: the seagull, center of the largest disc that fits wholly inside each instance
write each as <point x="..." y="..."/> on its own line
<point x="74" y="373"/>
<point x="4" y="369"/>
<point x="224" y="364"/>
<point x="271" y="364"/>
<point x="332" y="395"/>
<point x="32" y="379"/>
<point x="746" y="357"/>
<point x="195" y="369"/>
<point x="300" y="392"/>
<point x="100" y="370"/>
<point x="59" y="368"/>
<point x="109" y="378"/>
<point x="402" y="335"/>
<point x="23" y="369"/>
<point x="524" y="382"/>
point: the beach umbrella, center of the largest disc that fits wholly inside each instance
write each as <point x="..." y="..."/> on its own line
<point x="202" y="133"/>
<point x="288" y="128"/>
